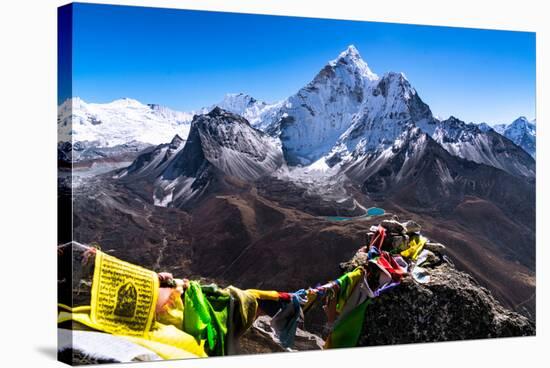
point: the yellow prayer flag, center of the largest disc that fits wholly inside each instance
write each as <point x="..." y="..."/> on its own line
<point x="124" y="296"/>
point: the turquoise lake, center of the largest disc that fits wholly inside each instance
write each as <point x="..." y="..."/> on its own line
<point x="373" y="211"/>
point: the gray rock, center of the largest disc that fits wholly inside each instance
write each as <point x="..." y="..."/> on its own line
<point x="303" y="341"/>
<point x="434" y="247"/>
<point x="452" y="306"/>
<point x="399" y="243"/>
<point x="412" y="227"/>
<point x="428" y="258"/>
<point x="393" y="226"/>
<point x="359" y="259"/>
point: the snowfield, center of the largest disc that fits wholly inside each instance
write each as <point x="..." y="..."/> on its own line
<point x="120" y="122"/>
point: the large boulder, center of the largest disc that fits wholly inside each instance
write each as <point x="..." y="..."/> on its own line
<point x="261" y="339"/>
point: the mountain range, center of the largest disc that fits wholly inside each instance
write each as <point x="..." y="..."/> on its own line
<point x="228" y="185"/>
<point x="347" y="120"/>
<point x="521" y="131"/>
<point x="346" y="110"/>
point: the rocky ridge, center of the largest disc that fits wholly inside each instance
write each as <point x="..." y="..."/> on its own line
<point x="451" y="306"/>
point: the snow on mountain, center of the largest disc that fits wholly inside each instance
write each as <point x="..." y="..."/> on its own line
<point x="348" y="112"/>
<point x="410" y="144"/>
<point x="413" y="160"/>
<point x="417" y="171"/>
<point x="153" y="160"/>
<point x="470" y="142"/>
<point x="499" y="128"/>
<point x="119" y="122"/>
<point x="310" y="122"/>
<point x="233" y="146"/>
<point x="258" y="113"/>
<point x="484" y="127"/>
<point x="218" y="142"/>
<point x="387" y="111"/>
<point x="522" y="132"/>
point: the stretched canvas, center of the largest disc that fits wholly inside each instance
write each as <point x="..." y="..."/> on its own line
<point x="244" y="184"/>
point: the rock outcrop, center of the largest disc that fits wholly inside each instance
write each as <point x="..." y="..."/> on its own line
<point x="451" y="306"/>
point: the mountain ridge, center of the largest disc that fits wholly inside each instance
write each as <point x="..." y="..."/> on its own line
<point x="345" y="111"/>
<point x="522" y="132"/>
<point x="220" y="143"/>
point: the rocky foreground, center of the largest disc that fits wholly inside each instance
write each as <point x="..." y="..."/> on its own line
<point x="451" y="306"/>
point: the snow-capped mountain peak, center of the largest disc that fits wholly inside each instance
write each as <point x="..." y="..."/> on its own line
<point x="484" y="127"/>
<point x="258" y="113"/>
<point x="239" y="102"/>
<point x="345" y="113"/>
<point x="522" y="132"/>
<point x="481" y="145"/>
<point x="522" y="123"/>
<point x="352" y="60"/>
<point x="396" y="84"/>
<point x="310" y="122"/>
<point x="350" y="52"/>
<point x="348" y="110"/>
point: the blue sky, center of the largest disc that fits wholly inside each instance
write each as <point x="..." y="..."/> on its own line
<point x="190" y="59"/>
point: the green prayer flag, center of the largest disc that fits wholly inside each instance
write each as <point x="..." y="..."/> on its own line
<point x="347" y="331"/>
